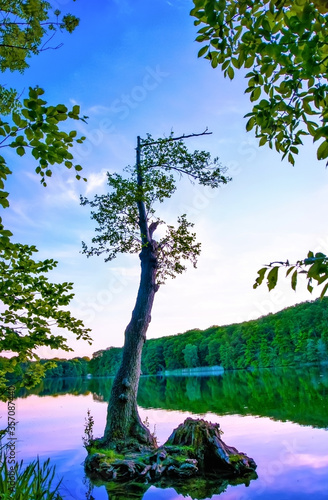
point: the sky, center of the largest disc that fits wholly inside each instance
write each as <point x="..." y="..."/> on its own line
<point x="132" y="67"/>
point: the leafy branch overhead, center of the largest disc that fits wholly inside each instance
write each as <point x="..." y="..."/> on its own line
<point x="282" y="45"/>
<point x="32" y="307"/>
<point x="314" y="267"/>
<point x="35" y="128"/>
<point x="27" y="28"/>
<point x="119" y="214"/>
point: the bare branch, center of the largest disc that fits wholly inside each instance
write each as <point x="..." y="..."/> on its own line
<point x="169" y="139"/>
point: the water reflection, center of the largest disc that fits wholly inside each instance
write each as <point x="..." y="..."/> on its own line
<point x="296" y="395"/>
<point x="196" y="489"/>
<point x="292" y="460"/>
<point x="299" y="396"/>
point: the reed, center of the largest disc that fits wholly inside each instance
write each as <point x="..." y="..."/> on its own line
<point x="35" y="481"/>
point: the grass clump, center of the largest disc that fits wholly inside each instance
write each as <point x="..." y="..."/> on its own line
<point x="33" y="482"/>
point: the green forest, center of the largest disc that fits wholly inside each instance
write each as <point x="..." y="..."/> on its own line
<point x="296" y="335"/>
<point x="58" y="368"/>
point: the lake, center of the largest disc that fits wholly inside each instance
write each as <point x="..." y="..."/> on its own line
<point x="277" y="417"/>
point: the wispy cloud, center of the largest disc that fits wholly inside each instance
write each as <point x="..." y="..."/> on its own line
<point x="95" y="180"/>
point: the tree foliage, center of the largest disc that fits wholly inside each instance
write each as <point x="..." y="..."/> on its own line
<point x="35" y="128"/>
<point x="26" y="29"/>
<point x="106" y="362"/>
<point x="190" y="354"/>
<point x="282" y="44"/>
<point x="32" y="308"/>
<point x="30" y="304"/>
<point x="314" y="267"/>
<point x="32" y="125"/>
<point x="117" y="214"/>
<point x="51" y="368"/>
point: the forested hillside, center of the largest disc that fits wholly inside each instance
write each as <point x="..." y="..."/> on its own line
<point x="76" y="367"/>
<point x="293" y="336"/>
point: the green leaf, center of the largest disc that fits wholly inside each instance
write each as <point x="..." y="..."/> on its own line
<point x="231" y="72"/>
<point x="3" y="199"/>
<point x="61" y="108"/>
<point x="29" y="134"/>
<point x="322" y="151"/>
<point x="203" y="50"/>
<point x="16" y="119"/>
<point x="272" y="278"/>
<point x="255" y="94"/>
<point x="235" y="62"/>
<point x="294" y="280"/>
<point x="289" y="270"/>
<point x="20" y="151"/>
<point x="250" y="124"/>
<point x="61" y="117"/>
<point x="259" y="279"/>
<point x="249" y="62"/>
<point x="291" y="159"/>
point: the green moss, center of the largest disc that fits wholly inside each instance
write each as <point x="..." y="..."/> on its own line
<point x="235" y="458"/>
<point x="110" y="454"/>
<point x="186" y="450"/>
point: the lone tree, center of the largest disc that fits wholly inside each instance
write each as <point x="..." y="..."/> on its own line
<point x="127" y="222"/>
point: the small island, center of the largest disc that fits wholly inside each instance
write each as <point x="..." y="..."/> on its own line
<point x="194" y="450"/>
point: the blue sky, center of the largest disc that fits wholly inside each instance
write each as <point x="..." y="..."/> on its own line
<point x="132" y="66"/>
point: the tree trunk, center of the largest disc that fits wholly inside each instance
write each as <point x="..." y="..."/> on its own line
<point x="124" y="427"/>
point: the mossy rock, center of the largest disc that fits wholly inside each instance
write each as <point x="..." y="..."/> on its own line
<point x="194" y="449"/>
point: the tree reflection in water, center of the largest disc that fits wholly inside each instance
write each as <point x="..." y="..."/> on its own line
<point x="196" y="488"/>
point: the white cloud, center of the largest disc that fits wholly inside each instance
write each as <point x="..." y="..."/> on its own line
<point x="96" y="180"/>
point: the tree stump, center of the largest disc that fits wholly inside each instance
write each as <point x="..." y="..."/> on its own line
<point x="202" y="441"/>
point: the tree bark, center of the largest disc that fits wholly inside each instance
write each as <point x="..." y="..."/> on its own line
<point x="123" y="427"/>
<point x="123" y="421"/>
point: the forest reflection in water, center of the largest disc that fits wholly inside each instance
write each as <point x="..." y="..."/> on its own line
<point x="297" y="395"/>
<point x="289" y="442"/>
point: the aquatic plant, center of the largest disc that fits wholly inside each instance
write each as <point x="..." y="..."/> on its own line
<point x="35" y="481"/>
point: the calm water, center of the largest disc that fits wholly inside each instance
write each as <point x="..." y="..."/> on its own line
<point x="280" y="418"/>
